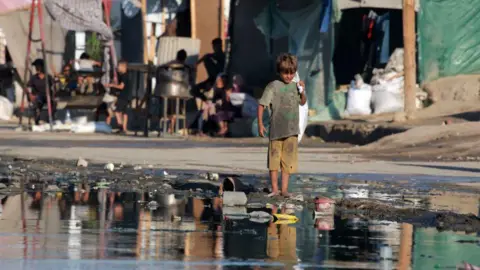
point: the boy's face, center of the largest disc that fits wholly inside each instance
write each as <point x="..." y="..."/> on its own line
<point x="122" y="68"/>
<point x="287" y="77"/>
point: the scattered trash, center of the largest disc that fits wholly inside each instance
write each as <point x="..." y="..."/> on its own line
<point x="235" y="212"/>
<point x="260" y="217"/>
<point x="109" y="167"/>
<point x="213" y="176"/>
<point x="231" y="198"/>
<point x="102" y="184"/>
<point x="82" y="163"/>
<point x="152" y="205"/>
<point x="324" y="207"/>
<point x="176" y="218"/>
<point x="137" y="168"/>
<point x="284" y="217"/>
<point x="325" y="223"/>
<point x="356" y="193"/>
<point x="298" y="198"/>
<point x="52" y="188"/>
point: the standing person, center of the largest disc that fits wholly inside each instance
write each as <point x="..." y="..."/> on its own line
<point x="38" y="95"/>
<point x="282" y="96"/>
<point x="122" y="90"/>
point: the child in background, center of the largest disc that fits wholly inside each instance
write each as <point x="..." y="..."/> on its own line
<point x="282" y="96"/>
<point x="122" y="90"/>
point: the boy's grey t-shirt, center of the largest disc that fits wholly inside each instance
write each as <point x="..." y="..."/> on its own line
<point x="283" y="100"/>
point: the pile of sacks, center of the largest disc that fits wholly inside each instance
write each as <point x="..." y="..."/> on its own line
<point x="384" y="94"/>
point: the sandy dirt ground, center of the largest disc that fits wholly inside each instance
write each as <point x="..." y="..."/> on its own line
<point x="227" y="155"/>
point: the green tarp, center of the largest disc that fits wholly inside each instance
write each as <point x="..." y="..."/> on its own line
<point x="449" y="43"/>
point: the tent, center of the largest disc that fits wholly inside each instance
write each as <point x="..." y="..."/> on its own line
<point x="14" y="21"/>
<point x="306" y="28"/>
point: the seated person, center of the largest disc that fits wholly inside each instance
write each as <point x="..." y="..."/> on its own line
<point x="85" y="64"/>
<point x="37" y="90"/>
<point x="64" y="79"/>
<point x="210" y="97"/>
<point x="225" y="110"/>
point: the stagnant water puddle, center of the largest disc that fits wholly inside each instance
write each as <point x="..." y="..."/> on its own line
<point x="101" y="229"/>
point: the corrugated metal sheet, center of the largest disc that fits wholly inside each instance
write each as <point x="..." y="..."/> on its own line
<point x="169" y="46"/>
<point x="390" y="4"/>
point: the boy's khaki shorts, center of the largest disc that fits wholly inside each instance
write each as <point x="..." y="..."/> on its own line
<point x="283" y="154"/>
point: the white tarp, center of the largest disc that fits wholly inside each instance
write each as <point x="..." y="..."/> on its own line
<point x="6" y="109"/>
<point x="15" y="25"/>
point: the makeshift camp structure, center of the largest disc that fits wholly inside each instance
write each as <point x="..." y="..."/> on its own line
<point x="42" y="26"/>
<point x="312" y="30"/>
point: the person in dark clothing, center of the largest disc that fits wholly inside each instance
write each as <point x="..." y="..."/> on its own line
<point x="38" y="94"/>
<point x="214" y="64"/>
<point x="122" y="90"/>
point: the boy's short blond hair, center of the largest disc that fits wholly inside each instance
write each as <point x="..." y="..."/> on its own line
<point x="286" y="63"/>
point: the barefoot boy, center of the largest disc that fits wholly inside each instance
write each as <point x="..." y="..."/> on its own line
<point x="282" y="96"/>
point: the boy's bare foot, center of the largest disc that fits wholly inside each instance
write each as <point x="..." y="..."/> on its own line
<point x="273" y="194"/>
<point x="286" y="194"/>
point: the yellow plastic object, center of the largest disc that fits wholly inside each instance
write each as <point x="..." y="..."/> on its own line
<point x="286" y="217"/>
<point x="285" y="222"/>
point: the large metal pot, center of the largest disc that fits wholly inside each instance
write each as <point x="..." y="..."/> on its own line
<point x="172" y="82"/>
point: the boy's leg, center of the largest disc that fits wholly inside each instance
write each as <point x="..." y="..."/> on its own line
<point x="118" y="116"/>
<point x="274" y="158"/>
<point x="274" y="180"/>
<point x="285" y="178"/>
<point x="289" y="161"/>
<point x="125" y="121"/>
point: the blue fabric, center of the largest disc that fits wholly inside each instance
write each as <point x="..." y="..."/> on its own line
<point x="327" y="14"/>
<point x="383" y="23"/>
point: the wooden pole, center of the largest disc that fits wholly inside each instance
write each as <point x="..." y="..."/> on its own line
<point x="153" y="39"/>
<point x="221" y="18"/>
<point x="406" y="242"/>
<point x="144" y="30"/>
<point x="409" y="61"/>
<point x="193" y="18"/>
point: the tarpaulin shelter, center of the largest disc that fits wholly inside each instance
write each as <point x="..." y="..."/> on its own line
<point x="306" y="28"/>
<point x="300" y="27"/>
<point x="14" y="21"/>
<point x="449" y="43"/>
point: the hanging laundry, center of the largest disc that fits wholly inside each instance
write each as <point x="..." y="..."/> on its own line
<point x="383" y="27"/>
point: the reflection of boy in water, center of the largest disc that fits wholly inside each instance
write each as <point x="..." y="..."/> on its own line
<point x="282" y="241"/>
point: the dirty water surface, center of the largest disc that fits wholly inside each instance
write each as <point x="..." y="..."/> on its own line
<point x="140" y="217"/>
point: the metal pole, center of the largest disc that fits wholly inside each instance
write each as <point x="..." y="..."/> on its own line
<point x="177" y="112"/>
<point x="148" y="99"/>
<point x="27" y="63"/>
<point x="409" y="40"/>
<point x="47" y="83"/>
<point x="229" y="41"/>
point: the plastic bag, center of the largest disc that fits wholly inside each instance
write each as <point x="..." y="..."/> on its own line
<point x="387" y="102"/>
<point x="92" y="127"/>
<point x="302" y="113"/>
<point x="358" y="102"/>
<point x="6" y="109"/>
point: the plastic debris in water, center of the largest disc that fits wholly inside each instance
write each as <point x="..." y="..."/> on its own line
<point x="109" y="167"/>
<point x="176" y="218"/>
<point x="213" y="176"/>
<point x="260" y="217"/>
<point x="82" y="163"/>
<point x="137" y="168"/>
<point x="152" y="205"/>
